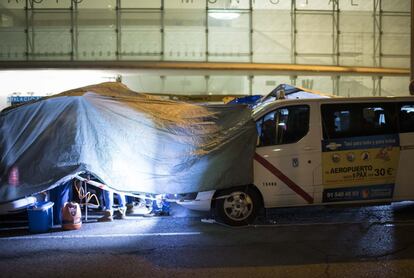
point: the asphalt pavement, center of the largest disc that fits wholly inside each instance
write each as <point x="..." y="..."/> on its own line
<point x="297" y="242"/>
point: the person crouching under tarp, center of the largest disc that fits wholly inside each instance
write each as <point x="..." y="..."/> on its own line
<point x="109" y="213"/>
<point x="158" y="205"/>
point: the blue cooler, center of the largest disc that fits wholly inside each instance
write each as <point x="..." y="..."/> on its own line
<point x="40" y="217"/>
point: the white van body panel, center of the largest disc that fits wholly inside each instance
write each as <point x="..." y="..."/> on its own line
<point x="307" y="170"/>
<point x="202" y="202"/>
<point x="404" y="184"/>
<point x="299" y="161"/>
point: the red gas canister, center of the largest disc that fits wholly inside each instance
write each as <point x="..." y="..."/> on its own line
<point x="71" y="216"/>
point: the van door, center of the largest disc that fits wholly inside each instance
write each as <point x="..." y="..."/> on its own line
<point x="288" y="156"/>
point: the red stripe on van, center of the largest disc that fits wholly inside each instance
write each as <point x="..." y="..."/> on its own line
<point x="291" y="184"/>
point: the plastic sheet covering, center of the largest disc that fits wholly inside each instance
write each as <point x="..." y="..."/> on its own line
<point x="132" y="142"/>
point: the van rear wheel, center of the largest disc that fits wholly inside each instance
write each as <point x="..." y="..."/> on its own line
<point x="238" y="206"/>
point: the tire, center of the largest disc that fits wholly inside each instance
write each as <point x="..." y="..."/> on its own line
<point x="237" y="206"/>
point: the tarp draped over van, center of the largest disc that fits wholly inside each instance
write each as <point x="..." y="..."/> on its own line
<point x="131" y="142"/>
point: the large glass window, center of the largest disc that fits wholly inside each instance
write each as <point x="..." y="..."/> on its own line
<point x="228" y="36"/>
<point x="314" y="38"/>
<point x="351" y="33"/>
<point x="272" y="36"/>
<point x="262" y="85"/>
<point x="355" y="86"/>
<point x="228" y="85"/>
<point x="283" y="126"/>
<point x="141" y="35"/>
<point x="345" y="33"/>
<point x="141" y="4"/>
<point x="317" y="83"/>
<point x="355" y="38"/>
<point x="228" y="4"/>
<point x="185" y="35"/>
<point x="12" y="34"/>
<point x="101" y="4"/>
<point x="51" y="37"/>
<point x="395" y="5"/>
<point x="354" y="120"/>
<point x="184" y="85"/>
<point x="395" y="85"/>
<point x="395" y="43"/>
<point x="96" y="34"/>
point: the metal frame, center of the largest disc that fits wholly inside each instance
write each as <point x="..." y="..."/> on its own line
<point x="377" y="47"/>
<point x="251" y="80"/>
<point x="335" y="44"/>
<point x="30" y="11"/>
<point x="162" y="30"/>
<point x="293" y="79"/>
<point x="30" y="47"/>
<point x="118" y="31"/>
<point x="251" y="36"/>
<point x="293" y="31"/>
<point x="376" y="88"/>
<point x="335" y="84"/>
<point x="207" y="23"/>
<point x="335" y="32"/>
<point x="377" y="33"/>
<point x="74" y="30"/>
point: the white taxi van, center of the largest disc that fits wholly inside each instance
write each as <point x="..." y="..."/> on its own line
<point x="323" y="151"/>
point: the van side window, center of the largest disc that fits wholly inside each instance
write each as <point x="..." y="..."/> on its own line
<point x="406" y="116"/>
<point x="358" y="119"/>
<point x="283" y="126"/>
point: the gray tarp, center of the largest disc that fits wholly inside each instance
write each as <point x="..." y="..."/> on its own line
<point x="131" y="142"/>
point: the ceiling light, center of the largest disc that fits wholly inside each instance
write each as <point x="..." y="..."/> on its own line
<point x="224" y="15"/>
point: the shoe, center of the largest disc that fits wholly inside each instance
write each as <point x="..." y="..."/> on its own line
<point x="120" y="213"/>
<point x="107" y="217"/>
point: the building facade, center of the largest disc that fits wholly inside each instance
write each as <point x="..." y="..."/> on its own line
<point x="347" y="33"/>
